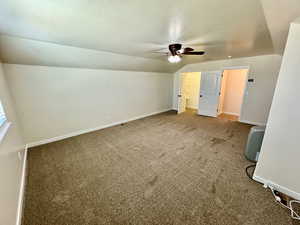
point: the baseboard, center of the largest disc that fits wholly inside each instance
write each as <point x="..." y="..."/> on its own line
<point x="277" y="187"/>
<point x="22" y="189"/>
<point x="76" y="133"/>
<point x="231" y="113"/>
<point x="252" y="123"/>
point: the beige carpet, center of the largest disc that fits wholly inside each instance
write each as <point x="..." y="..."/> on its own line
<point x="165" y="169"/>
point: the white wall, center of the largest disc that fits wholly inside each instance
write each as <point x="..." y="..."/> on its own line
<point x="264" y="70"/>
<point x="55" y="101"/>
<point x="191" y="86"/>
<point x="10" y="163"/>
<point x="235" y="81"/>
<point x="279" y="160"/>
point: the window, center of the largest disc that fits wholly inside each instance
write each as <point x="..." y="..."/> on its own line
<point x="4" y="125"/>
<point x="2" y="115"/>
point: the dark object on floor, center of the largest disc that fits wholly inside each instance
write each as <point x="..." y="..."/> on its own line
<point x="250" y="174"/>
<point x="255" y="139"/>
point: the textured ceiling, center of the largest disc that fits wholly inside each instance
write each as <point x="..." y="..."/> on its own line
<point x="279" y="15"/>
<point x="115" y="34"/>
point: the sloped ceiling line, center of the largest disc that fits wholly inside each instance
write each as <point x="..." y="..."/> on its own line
<point x="122" y="35"/>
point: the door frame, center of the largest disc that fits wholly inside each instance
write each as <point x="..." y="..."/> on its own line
<point x="245" y="91"/>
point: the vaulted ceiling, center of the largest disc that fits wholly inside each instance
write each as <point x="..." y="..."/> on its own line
<point x="124" y="35"/>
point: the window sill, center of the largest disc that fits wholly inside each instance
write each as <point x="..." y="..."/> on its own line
<point x="3" y="130"/>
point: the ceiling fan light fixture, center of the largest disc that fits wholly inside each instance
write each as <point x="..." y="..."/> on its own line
<point x="174" y="58"/>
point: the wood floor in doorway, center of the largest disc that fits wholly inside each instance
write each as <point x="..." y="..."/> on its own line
<point x="228" y="117"/>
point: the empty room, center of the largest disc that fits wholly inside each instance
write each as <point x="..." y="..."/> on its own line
<point x="149" y="112"/>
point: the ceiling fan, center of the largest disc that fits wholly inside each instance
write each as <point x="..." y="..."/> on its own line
<point x="176" y="52"/>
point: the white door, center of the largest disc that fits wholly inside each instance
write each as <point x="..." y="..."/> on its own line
<point x="181" y="96"/>
<point x="181" y="104"/>
<point x="210" y="87"/>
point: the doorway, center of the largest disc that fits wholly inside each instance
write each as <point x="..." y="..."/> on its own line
<point x="214" y="93"/>
<point x="188" y="98"/>
<point x="232" y="93"/>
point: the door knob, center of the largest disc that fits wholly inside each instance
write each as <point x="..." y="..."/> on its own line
<point x="201" y="96"/>
<point x="179" y="96"/>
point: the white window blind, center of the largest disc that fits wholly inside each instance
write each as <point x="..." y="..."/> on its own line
<point x="2" y="115"/>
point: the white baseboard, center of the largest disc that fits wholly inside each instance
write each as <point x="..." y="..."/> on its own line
<point x="22" y="188"/>
<point x="76" y="133"/>
<point x="277" y="187"/>
<point x="253" y="123"/>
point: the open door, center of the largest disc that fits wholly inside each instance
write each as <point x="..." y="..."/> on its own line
<point x="210" y="86"/>
<point x="181" y="104"/>
<point x="181" y="96"/>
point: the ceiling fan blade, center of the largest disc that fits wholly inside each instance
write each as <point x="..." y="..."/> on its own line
<point x="188" y="49"/>
<point x="194" y="53"/>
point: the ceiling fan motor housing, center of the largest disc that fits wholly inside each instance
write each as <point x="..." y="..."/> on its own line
<point x="174" y="48"/>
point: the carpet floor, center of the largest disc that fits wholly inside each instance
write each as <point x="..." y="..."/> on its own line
<point x="166" y="169"/>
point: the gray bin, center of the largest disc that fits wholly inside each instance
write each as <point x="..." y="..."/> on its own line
<point x="254" y="142"/>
